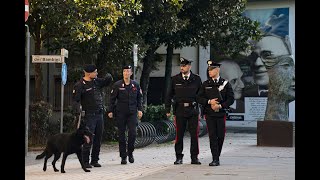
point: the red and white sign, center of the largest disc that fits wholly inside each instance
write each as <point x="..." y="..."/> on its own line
<point x="26" y="10"/>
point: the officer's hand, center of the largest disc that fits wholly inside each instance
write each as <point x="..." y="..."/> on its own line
<point x="110" y="115"/>
<point x="108" y="75"/>
<point x="140" y="114"/>
<point x="215" y="107"/>
<point x="214" y="101"/>
<point x="168" y="114"/>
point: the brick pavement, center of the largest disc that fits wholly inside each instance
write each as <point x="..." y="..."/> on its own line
<point x="240" y="159"/>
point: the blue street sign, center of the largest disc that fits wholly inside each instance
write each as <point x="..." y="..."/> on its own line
<point x="64" y="73"/>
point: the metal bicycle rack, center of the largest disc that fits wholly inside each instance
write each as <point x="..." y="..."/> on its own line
<point x="161" y="132"/>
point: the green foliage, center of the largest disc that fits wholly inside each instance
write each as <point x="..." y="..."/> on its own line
<point x="154" y="113"/>
<point x="69" y="121"/>
<point x="40" y="113"/>
<point x="110" y="133"/>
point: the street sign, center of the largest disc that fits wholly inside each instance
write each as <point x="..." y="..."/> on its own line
<point x="135" y="55"/>
<point x="47" y="59"/>
<point x="26" y="10"/>
<point x="64" y="73"/>
<point x="64" y="52"/>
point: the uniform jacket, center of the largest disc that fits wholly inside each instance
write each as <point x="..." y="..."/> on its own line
<point x="183" y="91"/>
<point x="88" y="94"/>
<point x="122" y="99"/>
<point x="209" y="90"/>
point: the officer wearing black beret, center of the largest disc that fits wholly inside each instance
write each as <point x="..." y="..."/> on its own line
<point x="126" y="106"/>
<point x="182" y="97"/>
<point x="215" y="95"/>
<point x="87" y="97"/>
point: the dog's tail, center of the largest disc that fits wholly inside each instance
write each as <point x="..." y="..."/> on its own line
<point x="42" y="155"/>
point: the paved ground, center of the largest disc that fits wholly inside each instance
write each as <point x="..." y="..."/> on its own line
<point x="240" y="159"/>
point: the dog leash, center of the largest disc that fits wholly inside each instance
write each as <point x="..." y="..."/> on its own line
<point x="78" y="125"/>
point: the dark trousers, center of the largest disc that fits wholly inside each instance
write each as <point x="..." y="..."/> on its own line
<point x="126" y="121"/>
<point x="95" y="124"/>
<point x="193" y="127"/>
<point x="216" y="129"/>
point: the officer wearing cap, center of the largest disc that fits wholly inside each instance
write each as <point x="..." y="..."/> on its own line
<point x="126" y="105"/>
<point x="182" y="97"/>
<point x="87" y="97"/>
<point x="215" y="95"/>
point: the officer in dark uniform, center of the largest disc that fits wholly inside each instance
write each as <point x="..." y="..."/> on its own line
<point x="87" y="97"/>
<point x="126" y="106"/>
<point x="216" y="95"/>
<point x="182" y="97"/>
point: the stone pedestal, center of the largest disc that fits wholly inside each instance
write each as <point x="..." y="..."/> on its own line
<point x="275" y="133"/>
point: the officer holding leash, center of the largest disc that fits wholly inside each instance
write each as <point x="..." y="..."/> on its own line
<point x="87" y="94"/>
<point x="182" y="97"/>
<point x="216" y="95"/>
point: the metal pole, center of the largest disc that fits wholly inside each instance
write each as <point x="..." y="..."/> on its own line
<point x="27" y="72"/>
<point x="135" y="59"/>
<point x="61" y="117"/>
<point x="62" y="97"/>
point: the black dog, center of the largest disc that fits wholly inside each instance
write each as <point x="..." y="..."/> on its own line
<point x="68" y="143"/>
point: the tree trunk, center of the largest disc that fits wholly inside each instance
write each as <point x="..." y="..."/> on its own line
<point x="38" y="72"/>
<point x="168" y="71"/>
<point x="148" y="62"/>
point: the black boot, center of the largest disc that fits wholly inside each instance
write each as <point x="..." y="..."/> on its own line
<point x="215" y="162"/>
<point x="87" y="165"/>
<point x="123" y="160"/>
<point x="178" y="161"/>
<point x="131" y="159"/>
<point x="195" y="160"/>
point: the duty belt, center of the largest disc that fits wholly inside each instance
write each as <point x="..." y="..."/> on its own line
<point x="187" y="104"/>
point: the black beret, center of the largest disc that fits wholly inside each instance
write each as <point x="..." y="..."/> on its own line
<point x="212" y="64"/>
<point x="184" y="61"/>
<point x="89" y="68"/>
<point x="127" y="67"/>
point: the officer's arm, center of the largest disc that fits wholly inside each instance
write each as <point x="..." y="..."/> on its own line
<point x="113" y="98"/>
<point x="199" y="85"/>
<point x="201" y="96"/>
<point x="76" y="98"/>
<point x="139" y="98"/>
<point x="229" y="97"/>
<point x="107" y="80"/>
<point x="169" y="96"/>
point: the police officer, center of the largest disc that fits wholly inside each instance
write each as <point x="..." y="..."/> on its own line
<point x="215" y="95"/>
<point x="182" y="97"/>
<point x="87" y="97"/>
<point x="126" y="106"/>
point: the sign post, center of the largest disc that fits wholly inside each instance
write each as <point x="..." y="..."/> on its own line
<point x="135" y="59"/>
<point x="27" y="72"/>
<point x="63" y="82"/>
<point x="64" y="54"/>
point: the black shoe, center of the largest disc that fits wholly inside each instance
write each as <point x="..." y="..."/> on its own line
<point x="214" y="163"/>
<point x="87" y="165"/>
<point x="124" y="160"/>
<point x="195" y="161"/>
<point x="131" y="159"/>
<point x="95" y="164"/>
<point x="178" y="161"/>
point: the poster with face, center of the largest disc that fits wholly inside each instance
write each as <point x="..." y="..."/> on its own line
<point x="250" y="76"/>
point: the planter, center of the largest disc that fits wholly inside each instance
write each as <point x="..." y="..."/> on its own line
<point x="275" y="133"/>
